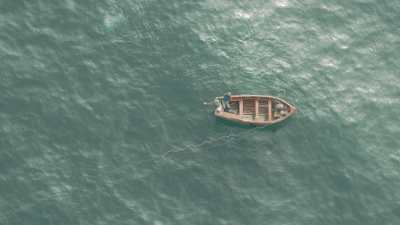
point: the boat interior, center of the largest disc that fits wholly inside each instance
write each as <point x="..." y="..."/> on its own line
<point x="258" y="108"/>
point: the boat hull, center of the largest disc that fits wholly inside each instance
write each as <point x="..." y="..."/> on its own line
<point x="255" y="110"/>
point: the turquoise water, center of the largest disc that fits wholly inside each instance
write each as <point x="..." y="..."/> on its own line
<point x="102" y="116"/>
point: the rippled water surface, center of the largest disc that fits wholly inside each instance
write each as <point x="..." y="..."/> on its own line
<point x="102" y="118"/>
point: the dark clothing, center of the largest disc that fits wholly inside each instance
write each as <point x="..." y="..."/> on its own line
<point x="227" y="98"/>
<point x="226" y="106"/>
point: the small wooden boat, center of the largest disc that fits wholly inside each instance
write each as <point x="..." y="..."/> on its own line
<point x="259" y="110"/>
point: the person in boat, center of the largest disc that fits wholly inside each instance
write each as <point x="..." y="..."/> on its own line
<point x="226" y="99"/>
<point x="218" y="103"/>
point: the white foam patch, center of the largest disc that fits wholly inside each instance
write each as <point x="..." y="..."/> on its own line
<point x="242" y="15"/>
<point x="331" y="8"/>
<point x="366" y="90"/>
<point x="328" y="62"/>
<point x="157" y="222"/>
<point x="111" y="20"/>
<point x="342" y="40"/>
<point x="207" y="37"/>
<point x="281" y="3"/>
<point x="70" y="4"/>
